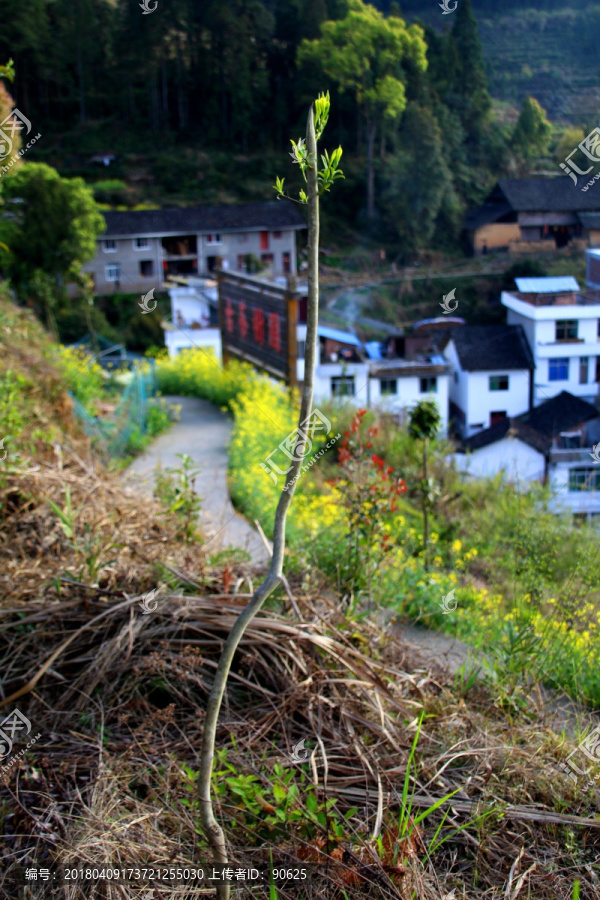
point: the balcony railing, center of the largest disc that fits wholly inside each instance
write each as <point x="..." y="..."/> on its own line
<point x="580" y="454"/>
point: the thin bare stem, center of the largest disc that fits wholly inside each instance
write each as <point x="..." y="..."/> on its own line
<point x="213" y="830"/>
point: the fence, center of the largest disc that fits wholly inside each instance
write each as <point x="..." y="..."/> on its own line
<point x="111" y="436"/>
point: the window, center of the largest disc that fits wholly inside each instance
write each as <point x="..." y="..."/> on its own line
<point x="141" y="243"/>
<point x="558" y="369"/>
<point x="342" y="386"/>
<point x="427" y="385"/>
<point x="113" y="272"/>
<point x="301" y="349"/>
<point x="264" y="240"/>
<point x="584" y="370"/>
<point x="389" y="386"/>
<point x="109" y="246"/>
<point x="587" y="479"/>
<point x="566" y="330"/>
<point x="241" y="262"/>
<point x="266" y="259"/>
<point x="498" y="382"/>
<point x="276" y="235"/>
<point x="598" y="330"/>
<point x="477" y="425"/>
<point x="598" y="368"/>
<point x="287" y="263"/>
<point x="146" y="268"/>
<point x="213" y="238"/>
<point x="569" y="440"/>
<point x="497" y="416"/>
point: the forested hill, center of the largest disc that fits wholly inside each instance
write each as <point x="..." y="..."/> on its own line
<point x="213" y="66"/>
<point x="196" y="98"/>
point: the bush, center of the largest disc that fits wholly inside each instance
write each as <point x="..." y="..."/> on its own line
<point x="83" y="376"/>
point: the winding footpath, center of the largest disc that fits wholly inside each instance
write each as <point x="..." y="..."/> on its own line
<point x="203" y="433"/>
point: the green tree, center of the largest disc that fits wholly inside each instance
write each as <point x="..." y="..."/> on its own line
<point x="469" y="92"/>
<point x="570" y="139"/>
<point x="424" y="424"/>
<point x="533" y="130"/>
<point x="418" y="179"/>
<point x="54" y="231"/>
<point x="374" y="58"/>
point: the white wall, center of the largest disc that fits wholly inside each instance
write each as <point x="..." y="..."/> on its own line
<point x="409" y="393"/>
<point x="186" y="338"/>
<point x="193" y="308"/>
<point x="481" y="401"/>
<point x="517" y="460"/>
<point x="563" y="498"/>
<point x="539" y="323"/>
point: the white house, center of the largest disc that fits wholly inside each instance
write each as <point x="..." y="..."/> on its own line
<point x="491" y="378"/>
<point x="394" y="385"/>
<point x="193" y="321"/>
<point x="562" y="326"/>
<point x="552" y="443"/>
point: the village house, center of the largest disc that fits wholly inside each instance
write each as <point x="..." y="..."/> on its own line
<point x="525" y="215"/>
<point x="141" y="249"/>
<point x="492" y="375"/>
<point x="553" y="443"/>
<point x="562" y="326"/>
<point x="345" y="370"/>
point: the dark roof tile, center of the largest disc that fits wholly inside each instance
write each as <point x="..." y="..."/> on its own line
<point x="547" y="194"/>
<point x="538" y="426"/>
<point x="483" y="348"/>
<point x="271" y="215"/>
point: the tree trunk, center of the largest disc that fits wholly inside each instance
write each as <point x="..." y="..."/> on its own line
<point x="82" y="115"/>
<point x="371" y="130"/>
<point x="213" y="830"/>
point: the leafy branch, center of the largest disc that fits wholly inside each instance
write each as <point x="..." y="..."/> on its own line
<point x="301" y="157"/>
<point x="8" y="71"/>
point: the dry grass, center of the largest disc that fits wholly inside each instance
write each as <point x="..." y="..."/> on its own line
<point x="119" y="697"/>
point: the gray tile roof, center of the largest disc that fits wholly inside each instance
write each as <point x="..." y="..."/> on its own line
<point x="271" y="215"/>
<point x="546" y="194"/>
<point x="492" y="348"/>
<point x="538" y="426"/>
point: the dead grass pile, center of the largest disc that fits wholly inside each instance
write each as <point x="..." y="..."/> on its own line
<point x="118" y="694"/>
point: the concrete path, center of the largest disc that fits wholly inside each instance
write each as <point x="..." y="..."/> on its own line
<point x="203" y="432"/>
